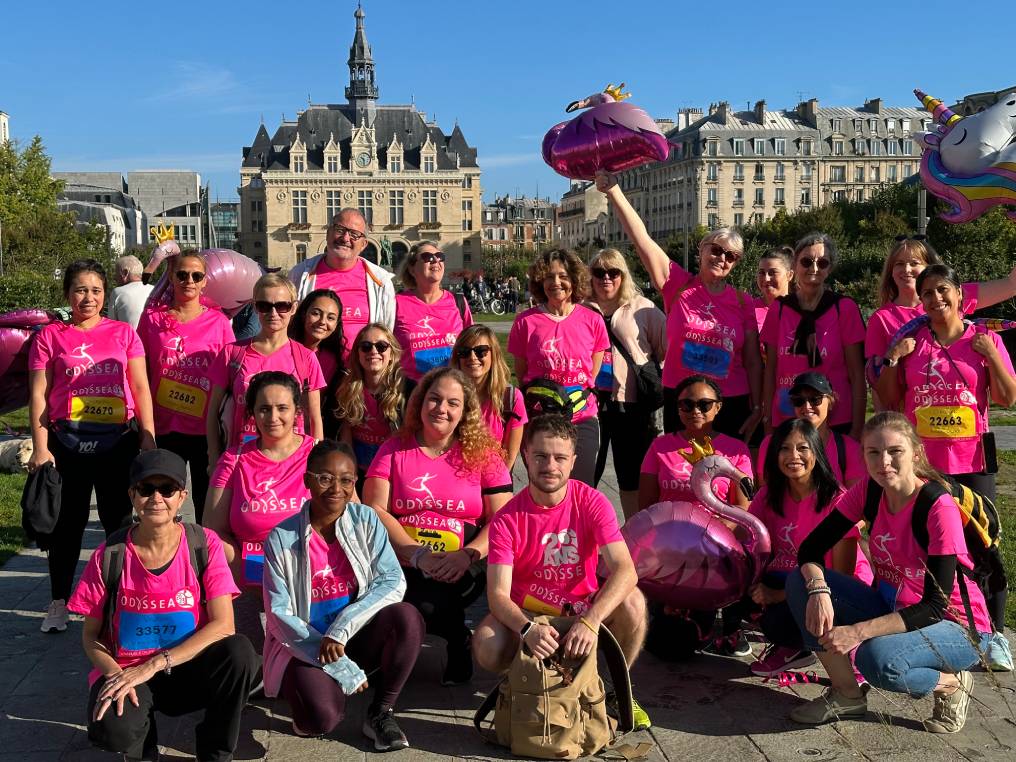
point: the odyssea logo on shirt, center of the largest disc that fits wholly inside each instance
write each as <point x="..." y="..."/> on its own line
<point x="426" y="329"/>
<point x="184" y="598"/>
<point x="266" y="500"/>
<point x="560" y="548"/>
<point x="80" y="353"/>
<point x="427" y="500"/>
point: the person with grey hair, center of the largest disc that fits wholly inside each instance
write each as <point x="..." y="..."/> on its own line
<point x="366" y="289"/>
<point x="127" y="301"/>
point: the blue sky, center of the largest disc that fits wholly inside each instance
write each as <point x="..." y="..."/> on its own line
<point x="118" y="87"/>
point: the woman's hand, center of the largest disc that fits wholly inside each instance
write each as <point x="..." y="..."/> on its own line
<point x="331" y="651"/>
<point x="763" y="595"/>
<point x="449" y="567"/>
<point x="146" y="441"/>
<point x="119" y="687"/>
<point x="40" y="457"/>
<point x="818" y="616"/>
<point x="984" y="346"/>
<point x="901" y="350"/>
<point x="840" y="640"/>
<point x="604" y="180"/>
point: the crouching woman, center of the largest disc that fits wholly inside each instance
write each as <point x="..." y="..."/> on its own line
<point x="333" y="602"/>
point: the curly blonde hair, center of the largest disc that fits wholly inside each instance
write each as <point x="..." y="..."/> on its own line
<point x="478" y="446"/>
<point x="496" y="382"/>
<point x="350" y="405"/>
<point x="577" y="271"/>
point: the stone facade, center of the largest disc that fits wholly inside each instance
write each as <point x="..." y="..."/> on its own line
<point x="172" y="197"/>
<point x="976" y="102"/>
<point x="5" y="127"/>
<point x="528" y="223"/>
<point x="410" y="179"/>
<point x="582" y="216"/>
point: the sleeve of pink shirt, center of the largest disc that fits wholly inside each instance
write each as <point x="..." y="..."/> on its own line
<point x="741" y="458"/>
<point x="499" y="543"/>
<point x="495" y="474"/>
<point x="651" y="463"/>
<point x="467" y="315"/>
<point x="771" y="328"/>
<point x="763" y="448"/>
<point x="227" y="337"/>
<point x="519" y="409"/>
<point x="218" y="579"/>
<point x="945" y="529"/>
<point x="851" y="502"/>
<point x="218" y="371"/>
<point x="876" y="335"/>
<point x="315" y="377"/>
<point x="971" y="293"/>
<point x="517" y="337"/>
<point x="760" y="503"/>
<point x="598" y="329"/>
<point x="1003" y="353"/>
<point x="381" y="466"/>
<point x="132" y="343"/>
<point x="89" y="597"/>
<point x="676" y="280"/>
<point x="748" y="322"/>
<point x="601" y="513"/>
<point x="851" y="323"/>
<point x="223" y="471"/>
<point x="41" y="351"/>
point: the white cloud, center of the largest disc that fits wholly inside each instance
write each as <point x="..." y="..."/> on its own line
<point x="196" y="80"/>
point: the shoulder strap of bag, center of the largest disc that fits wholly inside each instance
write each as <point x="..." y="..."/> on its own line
<point x="112" y="570"/>
<point x="460" y="305"/>
<point x="619" y="676"/>
<point x="301" y="367"/>
<point x="508" y="405"/>
<point x="841" y="453"/>
<point x="872" y="497"/>
<point x="484" y="710"/>
<point x="616" y="344"/>
<point x="197" y="547"/>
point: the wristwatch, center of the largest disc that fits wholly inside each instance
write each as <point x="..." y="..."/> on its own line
<point x="889" y="363"/>
<point x="525" y="629"/>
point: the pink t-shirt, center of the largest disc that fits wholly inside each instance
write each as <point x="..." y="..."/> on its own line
<point x="153" y="612"/>
<point x="351" y="286"/>
<point x="329" y="365"/>
<point x="673" y="472"/>
<point x="946" y="397"/>
<point x="370" y="433"/>
<point x="761" y="310"/>
<point x="252" y="362"/>
<point x="854" y="461"/>
<point x="561" y="350"/>
<point x="840" y="327"/>
<point x="788" y="531"/>
<point x="434" y="498"/>
<point x="899" y="560"/>
<point x="179" y="356"/>
<point x="89" y="370"/>
<point x="264" y="492"/>
<point x="495" y="421"/>
<point x="427" y="332"/>
<point x="553" y="550"/>
<point x="889" y="318"/>
<point x="333" y="584"/>
<point x="706" y="332"/>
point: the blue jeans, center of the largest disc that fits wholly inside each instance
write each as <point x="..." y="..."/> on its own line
<point x="905" y="662"/>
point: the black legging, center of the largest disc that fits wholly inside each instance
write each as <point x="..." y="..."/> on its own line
<point x="628" y="431"/>
<point x="194" y="450"/>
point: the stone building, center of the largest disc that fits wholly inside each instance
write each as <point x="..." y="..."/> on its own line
<point x="975" y="102"/>
<point x="5" y="127"/>
<point x="582" y="216"/>
<point x="107" y="205"/>
<point x="172" y="197"/>
<point x="528" y="223"/>
<point x="410" y="179"/>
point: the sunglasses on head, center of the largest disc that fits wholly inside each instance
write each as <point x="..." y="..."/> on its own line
<point x="380" y="346"/>
<point x="800" y="400"/>
<point x="145" y="489"/>
<point x="719" y="252"/>
<point x="480" y="350"/>
<point x="601" y="273"/>
<point x="265" y="307"/>
<point x="918" y="237"/>
<point x="703" y="405"/>
<point x="429" y="257"/>
<point x="821" y="264"/>
<point x="354" y="235"/>
<point x="195" y="276"/>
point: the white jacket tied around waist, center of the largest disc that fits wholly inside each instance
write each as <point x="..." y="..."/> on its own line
<point x="378" y="283"/>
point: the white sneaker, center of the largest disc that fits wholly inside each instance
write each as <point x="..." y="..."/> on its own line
<point x="998" y="655"/>
<point x="56" y="617"/>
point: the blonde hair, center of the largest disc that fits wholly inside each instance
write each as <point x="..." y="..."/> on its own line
<point x="274" y="280"/>
<point x="607" y="258"/>
<point x="730" y="235"/>
<point x="478" y="446"/>
<point x="351" y="406"/>
<point x="900" y="424"/>
<point x="406" y="268"/>
<point x="887" y="289"/>
<point x="496" y="382"/>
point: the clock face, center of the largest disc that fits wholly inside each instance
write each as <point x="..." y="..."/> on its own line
<point x="363" y="159"/>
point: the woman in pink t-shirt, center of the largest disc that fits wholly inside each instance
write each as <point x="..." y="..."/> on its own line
<point x="909" y="629"/>
<point x="563" y="341"/>
<point x="181" y="341"/>
<point x="711" y="326"/>
<point x="477" y="353"/>
<point x="815" y="329"/>
<point x="257" y="485"/>
<point x="317" y="325"/>
<point x="774" y="278"/>
<point x="90" y="410"/>
<point x="372" y="397"/>
<point x="436" y="485"/>
<point x="169" y="643"/>
<point x="271" y="349"/>
<point x="427" y="317"/>
<point x="943" y="379"/>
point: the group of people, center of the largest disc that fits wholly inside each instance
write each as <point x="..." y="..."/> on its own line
<point x="351" y="468"/>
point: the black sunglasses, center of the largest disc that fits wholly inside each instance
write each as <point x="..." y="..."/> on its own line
<point x="380" y="346"/>
<point x="354" y="235"/>
<point x="601" y="273"/>
<point x="799" y="400"/>
<point x="195" y="276"/>
<point x="145" y="489"/>
<point x="918" y="237"/>
<point x="807" y="262"/>
<point x="703" y="405"/>
<point x="719" y="252"/>
<point x="265" y="307"/>
<point x="480" y="350"/>
<point x="429" y="257"/>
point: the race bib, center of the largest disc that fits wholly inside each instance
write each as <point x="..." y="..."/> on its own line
<point x="785" y="406"/>
<point x="143" y="631"/>
<point x="428" y="359"/>
<point x="181" y="398"/>
<point x="536" y="606"/>
<point x="605" y="378"/>
<point x="705" y="358"/>
<point x="98" y="409"/>
<point x="253" y="556"/>
<point x="441" y="540"/>
<point x="946" y="421"/>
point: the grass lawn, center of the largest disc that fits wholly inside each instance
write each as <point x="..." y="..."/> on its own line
<point x="11" y="536"/>
<point x="490" y="317"/>
<point x="1006" y="505"/>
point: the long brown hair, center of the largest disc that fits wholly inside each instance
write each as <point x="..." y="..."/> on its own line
<point x="494" y="385"/>
<point x="887" y="289"/>
<point x="350" y="405"/>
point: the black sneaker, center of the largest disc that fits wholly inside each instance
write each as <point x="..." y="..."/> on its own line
<point x="734" y="645"/>
<point x="384" y="731"/>
<point x="459" y="668"/>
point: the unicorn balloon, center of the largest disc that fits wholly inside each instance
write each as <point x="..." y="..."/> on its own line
<point x="685" y="554"/>
<point x="970" y="162"/>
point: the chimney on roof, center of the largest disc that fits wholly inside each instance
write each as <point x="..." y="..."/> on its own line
<point x="808" y="111"/>
<point x="874" y="105"/>
<point x="723" y="112"/>
<point x="760" y="112"/>
<point x="712" y="109"/>
<point x="688" y="115"/>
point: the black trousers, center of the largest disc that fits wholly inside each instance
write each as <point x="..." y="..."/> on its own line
<point x="628" y="430"/>
<point x="106" y="473"/>
<point x="218" y="680"/>
<point x="194" y="450"/>
<point x="586" y="451"/>
<point x="443" y="604"/>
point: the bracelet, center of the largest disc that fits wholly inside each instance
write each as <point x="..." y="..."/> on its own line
<point x="586" y="623"/>
<point x="168" y="669"/>
<point x="820" y="591"/>
<point x="813" y="580"/>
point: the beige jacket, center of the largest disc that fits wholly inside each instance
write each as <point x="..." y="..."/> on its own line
<point x="642" y="327"/>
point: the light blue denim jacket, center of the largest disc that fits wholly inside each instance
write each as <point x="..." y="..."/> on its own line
<point x="286" y="586"/>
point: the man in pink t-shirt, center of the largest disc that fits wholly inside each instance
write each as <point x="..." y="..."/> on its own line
<point x="544" y="548"/>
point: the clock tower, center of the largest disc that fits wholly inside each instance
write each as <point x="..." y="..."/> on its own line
<point x="362" y="92"/>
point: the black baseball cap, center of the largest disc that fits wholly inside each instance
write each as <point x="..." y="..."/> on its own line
<point x="811" y="380"/>
<point x="158" y="463"/>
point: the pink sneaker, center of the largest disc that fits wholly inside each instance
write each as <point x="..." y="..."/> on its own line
<point x="776" y="659"/>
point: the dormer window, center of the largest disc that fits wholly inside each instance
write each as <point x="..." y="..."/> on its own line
<point x="395" y="164"/>
<point x="332" y="164"/>
<point x="299" y="163"/>
<point x="429" y="164"/>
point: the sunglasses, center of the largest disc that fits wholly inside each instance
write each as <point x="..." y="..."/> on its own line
<point x="430" y="257"/>
<point x="354" y="235"/>
<point x="147" y="490"/>
<point x="325" y="481"/>
<point x="195" y="276"/>
<point x="703" y="405"/>
<point x="800" y="400"/>
<point x="480" y="350"/>
<point x="265" y="307"/>
<point x="380" y="346"/>
<point x="918" y="237"/>
<point x="821" y="264"/>
<point x="720" y="253"/>
<point x="600" y="273"/>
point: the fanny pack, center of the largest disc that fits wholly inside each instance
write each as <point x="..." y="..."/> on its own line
<point x="88" y="437"/>
<point x="542" y="396"/>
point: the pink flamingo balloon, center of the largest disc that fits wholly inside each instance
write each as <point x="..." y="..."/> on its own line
<point x="685" y="554"/>
<point x="16" y="331"/>
<point x="611" y="135"/>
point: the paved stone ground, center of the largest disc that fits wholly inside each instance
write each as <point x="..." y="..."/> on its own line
<point x="705" y="709"/>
